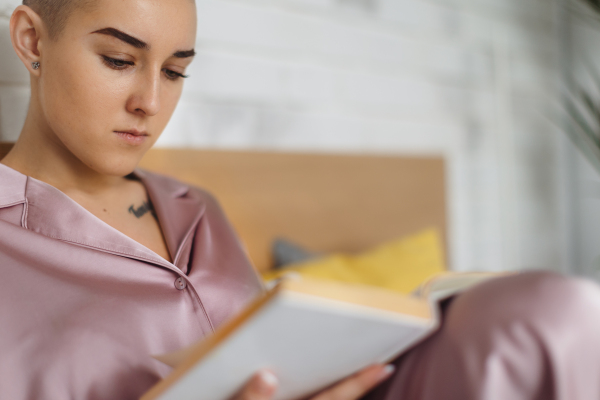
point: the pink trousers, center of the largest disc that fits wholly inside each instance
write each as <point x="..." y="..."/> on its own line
<point x="530" y="336"/>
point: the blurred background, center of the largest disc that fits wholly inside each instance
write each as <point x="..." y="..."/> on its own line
<point x="478" y="82"/>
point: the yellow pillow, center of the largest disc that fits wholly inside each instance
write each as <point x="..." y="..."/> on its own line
<point x="400" y="265"/>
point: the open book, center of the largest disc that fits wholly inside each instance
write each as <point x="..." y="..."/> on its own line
<point x="310" y="334"/>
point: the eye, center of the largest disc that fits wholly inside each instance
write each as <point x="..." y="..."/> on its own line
<point x="116" y="63"/>
<point x="172" y="75"/>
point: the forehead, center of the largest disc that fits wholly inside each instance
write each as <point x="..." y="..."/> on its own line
<point x="148" y="20"/>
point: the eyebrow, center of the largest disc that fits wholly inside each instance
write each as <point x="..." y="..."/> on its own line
<point x="140" y="44"/>
<point x="184" y="53"/>
<point x="137" y="43"/>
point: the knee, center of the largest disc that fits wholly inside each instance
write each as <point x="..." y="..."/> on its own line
<point x="539" y="300"/>
<point x="515" y="332"/>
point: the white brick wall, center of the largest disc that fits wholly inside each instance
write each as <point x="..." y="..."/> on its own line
<point x="469" y="79"/>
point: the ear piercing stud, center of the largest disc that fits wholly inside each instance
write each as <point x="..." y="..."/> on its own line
<point x="35" y="65"/>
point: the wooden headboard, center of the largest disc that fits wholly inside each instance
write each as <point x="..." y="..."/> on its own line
<point x="324" y="202"/>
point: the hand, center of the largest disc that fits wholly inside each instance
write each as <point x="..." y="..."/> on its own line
<point x="263" y="385"/>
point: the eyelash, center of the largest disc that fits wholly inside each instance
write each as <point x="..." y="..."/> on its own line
<point x="119" y="65"/>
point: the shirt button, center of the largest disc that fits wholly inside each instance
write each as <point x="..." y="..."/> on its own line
<point x="180" y="283"/>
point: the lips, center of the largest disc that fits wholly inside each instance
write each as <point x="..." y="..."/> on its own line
<point x="132" y="136"/>
<point x="134" y="132"/>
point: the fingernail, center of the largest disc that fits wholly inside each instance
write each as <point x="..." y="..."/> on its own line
<point x="267" y="382"/>
<point x="387" y="371"/>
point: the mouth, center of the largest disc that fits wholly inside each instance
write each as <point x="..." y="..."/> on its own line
<point x="133" y="136"/>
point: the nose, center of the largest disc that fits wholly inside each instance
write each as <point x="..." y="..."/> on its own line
<point x="145" y="99"/>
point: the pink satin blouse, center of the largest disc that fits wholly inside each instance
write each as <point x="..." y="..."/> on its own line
<point x="83" y="307"/>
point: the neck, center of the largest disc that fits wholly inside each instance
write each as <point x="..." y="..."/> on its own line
<point x="40" y="154"/>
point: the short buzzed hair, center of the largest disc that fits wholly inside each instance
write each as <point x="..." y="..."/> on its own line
<point x="55" y="13"/>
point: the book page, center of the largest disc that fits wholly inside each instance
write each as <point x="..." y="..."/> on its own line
<point x="175" y="358"/>
<point x="448" y="284"/>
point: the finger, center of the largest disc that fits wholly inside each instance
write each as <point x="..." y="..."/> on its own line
<point x="261" y="386"/>
<point x="358" y="384"/>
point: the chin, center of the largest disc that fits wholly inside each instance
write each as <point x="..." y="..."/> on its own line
<point x="116" y="164"/>
<point x="110" y="157"/>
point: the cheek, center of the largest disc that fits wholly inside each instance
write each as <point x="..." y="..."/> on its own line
<point x="79" y="98"/>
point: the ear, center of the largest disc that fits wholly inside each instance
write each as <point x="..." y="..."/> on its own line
<point x="26" y="28"/>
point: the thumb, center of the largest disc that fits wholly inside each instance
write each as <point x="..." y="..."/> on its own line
<point x="261" y="386"/>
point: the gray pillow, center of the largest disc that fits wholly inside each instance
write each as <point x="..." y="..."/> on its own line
<point x="286" y="252"/>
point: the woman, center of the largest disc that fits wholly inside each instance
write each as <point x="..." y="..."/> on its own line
<point x="103" y="265"/>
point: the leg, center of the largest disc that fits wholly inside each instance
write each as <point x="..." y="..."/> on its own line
<point x="531" y="336"/>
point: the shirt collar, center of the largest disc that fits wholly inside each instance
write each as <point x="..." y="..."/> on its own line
<point x="12" y="186"/>
<point x="178" y="211"/>
<point x="50" y="212"/>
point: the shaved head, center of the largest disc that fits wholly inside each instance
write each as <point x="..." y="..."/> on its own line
<point x="55" y="13"/>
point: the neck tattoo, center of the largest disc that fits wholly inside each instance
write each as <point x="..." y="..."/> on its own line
<point x="142" y="210"/>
